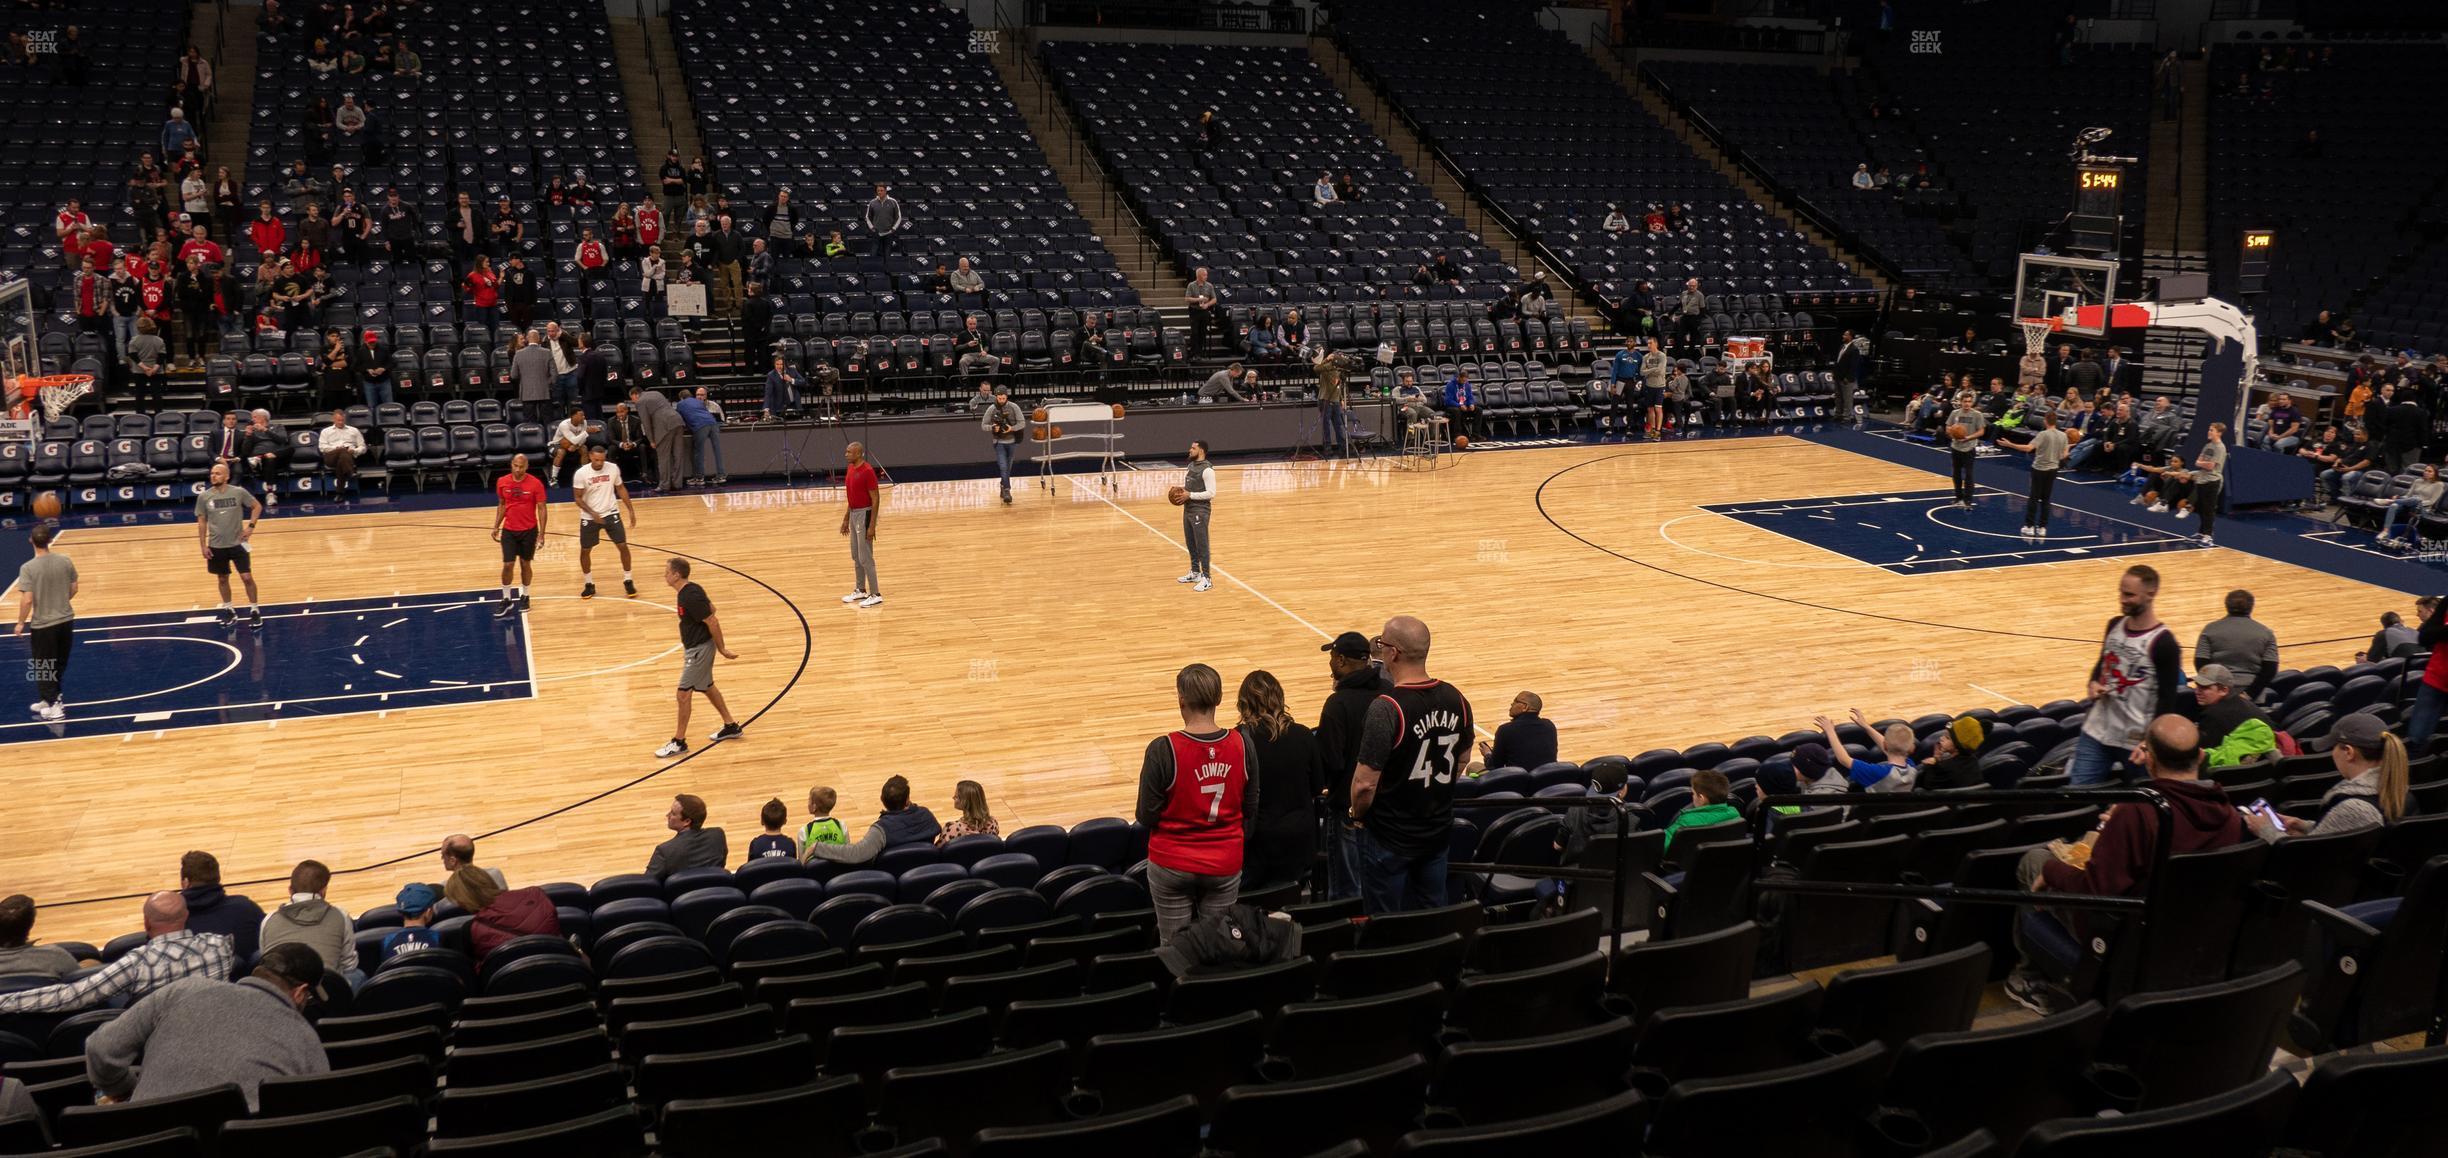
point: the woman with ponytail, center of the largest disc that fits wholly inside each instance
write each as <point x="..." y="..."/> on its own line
<point x="2372" y="792"/>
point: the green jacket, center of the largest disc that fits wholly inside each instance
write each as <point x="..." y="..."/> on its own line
<point x="1700" y="816"/>
<point x="2245" y="741"/>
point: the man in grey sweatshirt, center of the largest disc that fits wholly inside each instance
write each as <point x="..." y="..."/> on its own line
<point x="1002" y="423"/>
<point x="199" y="1033"/>
<point x="1197" y="508"/>
<point x="311" y="921"/>
<point x="883" y="217"/>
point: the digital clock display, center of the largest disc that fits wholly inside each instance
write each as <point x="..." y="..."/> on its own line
<point x="2257" y="239"/>
<point x="2104" y="179"/>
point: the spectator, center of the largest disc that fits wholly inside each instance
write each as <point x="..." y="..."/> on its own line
<point x="1198" y="800"/>
<point x="625" y="439"/>
<point x="1323" y="193"/>
<point x="148" y="362"/>
<point x="2233" y="728"/>
<point x="883" y="218"/>
<point x="665" y="435"/>
<point x="692" y="845"/>
<point x="171" y="952"/>
<point x="1200" y="296"/>
<point x="2395" y="640"/>
<point x="940" y="281"/>
<point x="594" y="373"/>
<point x="1291" y="333"/>
<point x="416" y="933"/>
<point x="674" y="181"/>
<point x="773" y="842"/>
<point x="1525" y="739"/>
<point x="783" y="385"/>
<point x="503" y="230"/>
<point x="459" y="851"/>
<point x="205" y="1032"/>
<point x="311" y="921"/>
<point x="501" y="915"/>
<point x="2370" y="792"/>
<point x="211" y="909"/>
<point x="975" y="362"/>
<point x="2419" y="500"/>
<point x="2117" y="862"/>
<point x="730" y="256"/>
<point x="340" y="443"/>
<point x="1345" y="188"/>
<point x="1893" y="774"/>
<point x="1357" y="682"/>
<point x="1689" y="309"/>
<point x="531" y="374"/>
<point x="1404" y="822"/>
<point x="968" y="283"/>
<point x="2408" y="426"/>
<point x="396" y="223"/>
<point x="1862" y="178"/>
<point x="1954" y="759"/>
<point x="19" y="955"/>
<point x="176" y="133"/>
<point x="1283" y="835"/>
<point x="704" y="416"/>
<point x="2356" y="454"/>
<point x="483" y="289"/>
<point x="759" y="272"/>
<point x="2032" y="371"/>
<point x="1444" y="270"/>
<point x="1223" y="384"/>
<point x="1711" y="803"/>
<point x="1208" y="132"/>
<point x="2133" y="680"/>
<point x="2432" y="696"/>
<point x="404" y="60"/>
<point x="900" y="823"/>
<point x="1610" y="778"/>
<point x="1462" y="403"/>
<point x="972" y="819"/>
<point x="2241" y="644"/>
<point x="2286" y="425"/>
<point x="1263" y="345"/>
<point x="821" y="827"/>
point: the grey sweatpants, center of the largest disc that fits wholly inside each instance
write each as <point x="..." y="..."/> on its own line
<point x="862" y="552"/>
<point x="1194" y="534"/>
<point x="1179" y="897"/>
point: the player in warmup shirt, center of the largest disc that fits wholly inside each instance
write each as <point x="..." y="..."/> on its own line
<point x="865" y="501"/>
<point x="45" y="585"/>
<point x="225" y="520"/>
<point x="1412" y="742"/>
<point x="2133" y="680"/>
<point x="1198" y="509"/>
<point x="570" y="438"/>
<point x="701" y="640"/>
<point x="1198" y="795"/>
<point x="602" y="498"/>
<point x="519" y="515"/>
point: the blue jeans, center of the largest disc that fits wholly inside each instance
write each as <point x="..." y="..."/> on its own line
<point x="2081" y="453"/>
<point x="1391" y="882"/>
<point x="2424" y="720"/>
<point x="565" y="391"/>
<point x="2094" y="763"/>
<point x="1335" y="436"/>
<point x="707" y="450"/>
<point x="123" y="331"/>
<point x="1003" y="459"/>
<point x="378" y="392"/>
<point x="2403" y="508"/>
<point x="1342" y="872"/>
<point x="2334" y="482"/>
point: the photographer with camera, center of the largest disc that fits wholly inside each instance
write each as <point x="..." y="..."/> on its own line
<point x="1001" y="422"/>
<point x="1334" y="430"/>
<point x="783" y="386"/>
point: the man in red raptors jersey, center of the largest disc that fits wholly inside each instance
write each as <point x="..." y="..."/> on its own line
<point x="1198" y="793"/>
<point x="518" y="521"/>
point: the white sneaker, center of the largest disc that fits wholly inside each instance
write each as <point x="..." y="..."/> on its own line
<point x="2138" y="500"/>
<point x="872" y="601"/>
<point x="2205" y="541"/>
<point x="671" y="748"/>
<point x="854" y="597"/>
<point x="1192" y="577"/>
<point x="2157" y="508"/>
<point x="38" y="707"/>
<point x="57" y="711"/>
<point x="1202" y="584"/>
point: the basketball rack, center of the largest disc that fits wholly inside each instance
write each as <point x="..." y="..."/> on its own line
<point x="1077" y="432"/>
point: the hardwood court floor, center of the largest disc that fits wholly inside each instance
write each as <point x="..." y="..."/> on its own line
<point x="1032" y="648"/>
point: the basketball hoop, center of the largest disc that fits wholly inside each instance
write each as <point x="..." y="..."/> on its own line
<point x="2035" y="333"/>
<point x="56" y="393"/>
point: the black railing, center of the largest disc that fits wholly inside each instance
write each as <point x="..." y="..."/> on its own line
<point x="1197" y="15"/>
<point x="1614" y="874"/>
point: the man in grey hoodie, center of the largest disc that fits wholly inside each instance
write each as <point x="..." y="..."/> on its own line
<point x="311" y="921"/>
<point x="883" y="217"/>
<point x="199" y="1033"/>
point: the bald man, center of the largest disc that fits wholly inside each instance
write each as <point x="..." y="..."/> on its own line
<point x="1525" y="740"/>
<point x="1413" y="741"/>
<point x="2117" y="862"/>
<point x="863" y="501"/>
<point x="459" y="851"/>
<point x="170" y="953"/>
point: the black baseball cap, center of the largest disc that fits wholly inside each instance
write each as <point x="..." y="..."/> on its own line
<point x="1349" y="645"/>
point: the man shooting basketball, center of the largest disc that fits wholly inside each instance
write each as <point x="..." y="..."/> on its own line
<point x="225" y="521"/>
<point x="701" y="639"/>
<point x="602" y="499"/>
<point x="519" y="515"/>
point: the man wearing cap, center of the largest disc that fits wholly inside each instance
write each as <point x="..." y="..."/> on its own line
<point x="1357" y="682"/>
<point x="416" y="932"/>
<point x="1815" y="772"/>
<point x="2233" y="728"/>
<point x="1525" y="740"/>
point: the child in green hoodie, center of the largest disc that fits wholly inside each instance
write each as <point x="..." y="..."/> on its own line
<point x="1710" y="804"/>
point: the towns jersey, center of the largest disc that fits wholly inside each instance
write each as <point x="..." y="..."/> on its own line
<point x="1413" y="811"/>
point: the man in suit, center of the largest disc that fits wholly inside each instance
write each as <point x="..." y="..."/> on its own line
<point x="665" y="434"/>
<point x="625" y="442"/>
<point x="2114" y="369"/>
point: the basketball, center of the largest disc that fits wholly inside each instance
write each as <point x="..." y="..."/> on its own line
<point x="1958" y="430"/>
<point x="1117" y="409"/>
<point x="1177" y="496"/>
<point x="1461" y="442"/>
<point x="47" y="505"/>
<point x="1038" y="415"/>
<point x="1054" y="432"/>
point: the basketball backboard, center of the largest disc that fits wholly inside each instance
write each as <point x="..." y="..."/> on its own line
<point x="2049" y="287"/>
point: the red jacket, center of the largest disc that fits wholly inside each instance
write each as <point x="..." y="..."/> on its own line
<point x="268" y="234"/>
<point x="516" y="913"/>
<point x="484" y="289"/>
<point x="2121" y="857"/>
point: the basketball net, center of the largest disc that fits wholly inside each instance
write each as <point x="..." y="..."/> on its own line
<point x="2035" y="333"/>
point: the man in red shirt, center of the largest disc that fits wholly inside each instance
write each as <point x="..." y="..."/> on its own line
<point x="266" y="231"/>
<point x="591" y="258"/>
<point x="1198" y="792"/>
<point x="68" y="226"/>
<point x="199" y="243"/>
<point x="519" y="514"/>
<point x="865" y="502"/>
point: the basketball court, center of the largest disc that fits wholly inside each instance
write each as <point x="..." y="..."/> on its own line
<point x="1654" y="595"/>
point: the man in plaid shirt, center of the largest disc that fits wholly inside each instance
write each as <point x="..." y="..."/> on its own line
<point x="170" y="953"/>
